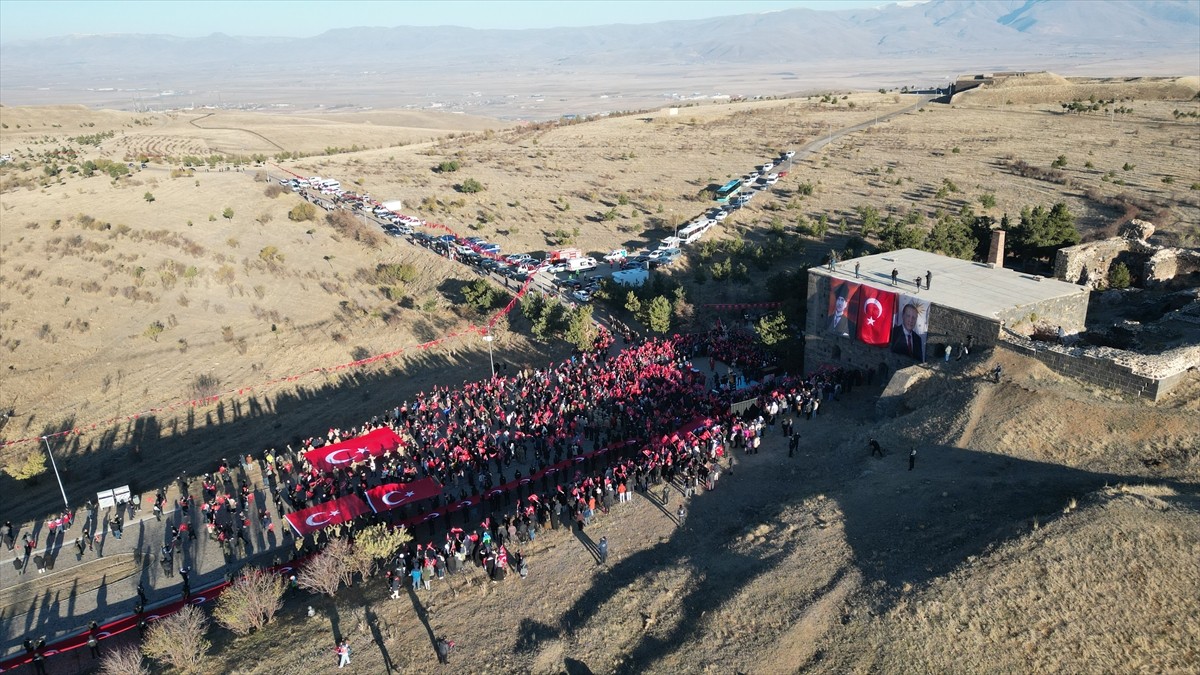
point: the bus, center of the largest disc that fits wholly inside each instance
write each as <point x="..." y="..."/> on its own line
<point x="728" y="190"/>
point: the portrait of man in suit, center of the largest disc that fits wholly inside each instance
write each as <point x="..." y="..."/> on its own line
<point x="905" y="339"/>
<point x="839" y="321"/>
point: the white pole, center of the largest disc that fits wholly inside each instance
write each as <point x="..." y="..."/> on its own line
<point x="487" y="337"/>
<point x="56" y="476"/>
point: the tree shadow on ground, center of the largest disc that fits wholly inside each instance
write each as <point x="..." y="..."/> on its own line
<point x="152" y="450"/>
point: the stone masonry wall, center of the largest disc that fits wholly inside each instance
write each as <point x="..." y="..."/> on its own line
<point x="1099" y="366"/>
<point x="1070" y="312"/>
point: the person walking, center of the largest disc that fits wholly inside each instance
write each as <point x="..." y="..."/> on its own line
<point x="602" y="549"/>
<point x="912" y="459"/>
<point x="93" y="641"/>
<point x="80" y="547"/>
<point x="343" y="653"/>
<point x="443" y="649"/>
<point x="10" y="535"/>
<point x="681" y="515"/>
<point x="141" y="592"/>
<point x="875" y="448"/>
<point x="928" y="278"/>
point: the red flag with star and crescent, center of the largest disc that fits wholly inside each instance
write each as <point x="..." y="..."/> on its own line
<point x="341" y="510"/>
<point x="875" y="315"/>
<point x="395" y="495"/>
<point x="360" y="449"/>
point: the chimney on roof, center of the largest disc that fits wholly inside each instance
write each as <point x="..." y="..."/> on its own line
<point x="995" y="256"/>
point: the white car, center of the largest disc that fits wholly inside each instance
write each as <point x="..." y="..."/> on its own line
<point x="582" y="296"/>
<point x="616" y="255"/>
<point x="789" y="154"/>
<point x="721" y="216"/>
<point x="766" y="167"/>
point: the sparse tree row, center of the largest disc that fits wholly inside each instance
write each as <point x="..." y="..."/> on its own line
<point x="251" y="602"/>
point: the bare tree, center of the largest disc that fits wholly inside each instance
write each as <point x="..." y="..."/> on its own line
<point x="125" y="660"/>
<point x="250" y="602"/>
<point x="179" y="639"/>
<point x="326" y="571"/>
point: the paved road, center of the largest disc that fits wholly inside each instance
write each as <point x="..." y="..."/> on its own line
<point x="102" y="585"/>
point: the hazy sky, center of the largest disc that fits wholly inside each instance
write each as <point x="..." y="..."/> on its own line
<point x="23" y="19"/>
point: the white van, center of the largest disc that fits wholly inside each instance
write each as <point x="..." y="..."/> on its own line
<point x="580" y="264"/>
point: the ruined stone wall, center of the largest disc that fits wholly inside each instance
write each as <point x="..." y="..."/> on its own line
<point x="1169" y="263"/>
<point x="1146" y="377"/>
<point x="1088" y="264"/>
<point x="1070" y="312"/>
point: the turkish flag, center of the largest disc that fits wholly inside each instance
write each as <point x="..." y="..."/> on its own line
<point x="395" y="495"/>
<point x="335" y="455"/>
<point x="341" y="510"/>
<point x="875" y="315"/>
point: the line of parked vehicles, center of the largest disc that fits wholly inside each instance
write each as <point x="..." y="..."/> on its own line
<point x="628" y="269"/>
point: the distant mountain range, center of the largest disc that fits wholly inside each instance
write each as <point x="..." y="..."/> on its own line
<point x="894" y="41"/>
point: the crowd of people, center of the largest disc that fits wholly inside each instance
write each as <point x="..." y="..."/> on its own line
<point x="639" y="419"/>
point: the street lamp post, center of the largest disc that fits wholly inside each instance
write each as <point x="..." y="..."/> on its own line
<point x="54" y="465"/>
<point x="487" y="337"/>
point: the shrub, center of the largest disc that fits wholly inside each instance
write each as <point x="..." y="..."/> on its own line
<point x="470" y="186"/>
<point x="250" y="602"/>
<point x="1060" y="162"/>
<point x="327" y="570"/>
<point x="350" y="226"/>
<point x="447" y="167"/>
<point x="178" y="639"/>
<point x="988" y="201"/>
<point x="390" y="273"/>
<point x="154" y="330"/>
<point x="302" y="212"/>
<point x="28" y="466"/>
<point x="271" y="256"/>
<point x="149" y="197"/>
<point x="227" y="214"/>
<point x="1119" y="276"/>
<point x="124" y="660"/>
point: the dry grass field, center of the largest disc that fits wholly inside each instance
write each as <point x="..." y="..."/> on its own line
<point x="112" y="304"/>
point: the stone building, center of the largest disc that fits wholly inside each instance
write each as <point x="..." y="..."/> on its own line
<point x="966" y="303"/>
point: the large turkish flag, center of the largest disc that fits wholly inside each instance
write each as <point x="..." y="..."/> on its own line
<point x="335" y="455"/>
<point x="875" y="315"/>
<point x="395" y="495"/>
<point x="341" y="510"/>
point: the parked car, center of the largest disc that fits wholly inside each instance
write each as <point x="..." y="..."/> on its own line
<point x="582" y="295"/>
<point x="789" y="154"/>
